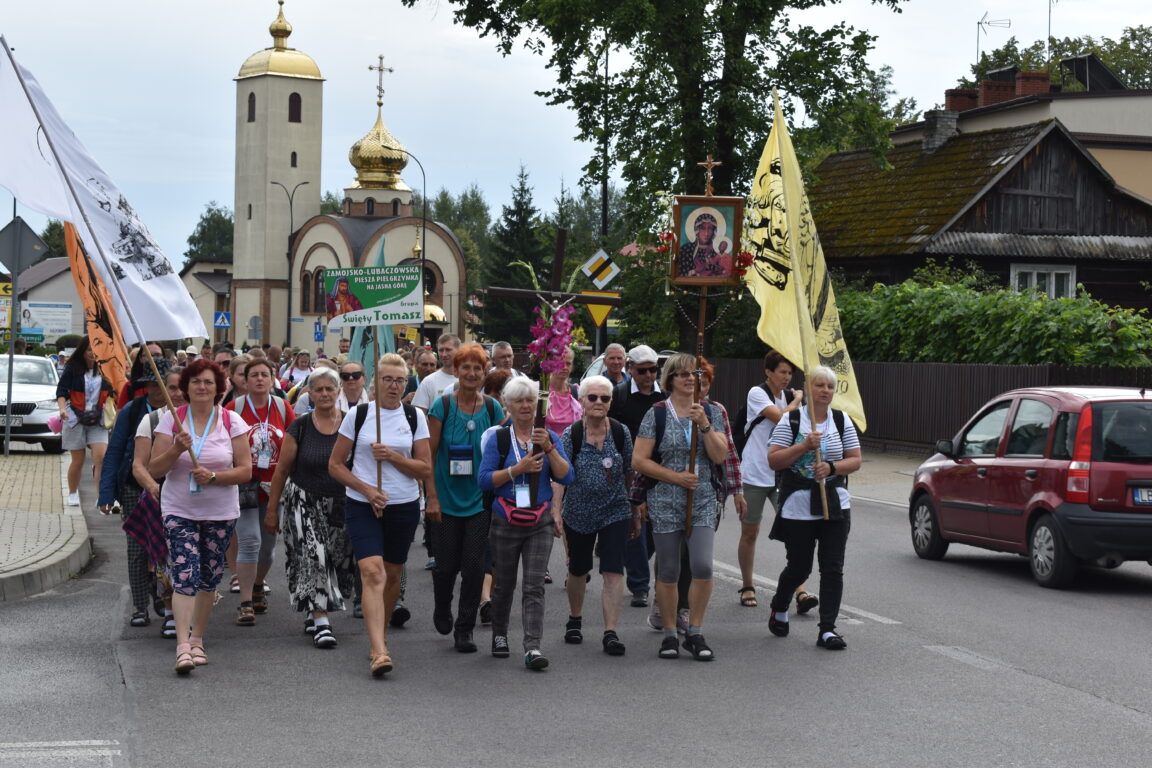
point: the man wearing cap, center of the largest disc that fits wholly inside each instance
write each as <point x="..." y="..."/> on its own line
<point x="630" y="401"/>
<point x="192" y="352"/>
<point x="118" y="485"/>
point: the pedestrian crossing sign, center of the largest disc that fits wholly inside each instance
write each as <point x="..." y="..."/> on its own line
<point x="223" y="320"/>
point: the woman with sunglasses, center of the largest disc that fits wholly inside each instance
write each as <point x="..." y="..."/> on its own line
<point x="668" y="499"/>
<point x="382" y="508"/>
<point x="597" y="516"/>
<point x="317" y="558"/>
<point x="457" y="421"/>
<point x="352" y="389"/>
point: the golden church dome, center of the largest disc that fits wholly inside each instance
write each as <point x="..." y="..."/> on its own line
<point x="280" y="59"/>
<point x="378" y="158"/>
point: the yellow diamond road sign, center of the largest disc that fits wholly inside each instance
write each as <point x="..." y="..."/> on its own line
<point x="600" y="268"/>
<point x="600" y="311"/>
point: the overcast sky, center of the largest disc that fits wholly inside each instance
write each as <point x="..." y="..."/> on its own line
<point x="148" y="86"/>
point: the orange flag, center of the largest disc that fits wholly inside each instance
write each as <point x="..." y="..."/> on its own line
<point x="100" y="321"/>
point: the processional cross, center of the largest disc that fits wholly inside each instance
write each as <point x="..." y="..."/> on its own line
<point x="708" y="165"/>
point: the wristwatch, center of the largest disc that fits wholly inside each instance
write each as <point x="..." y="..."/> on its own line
<point x="705" y="429"/>
<point x="212" y="479"/>
<point x="831" y="468"/>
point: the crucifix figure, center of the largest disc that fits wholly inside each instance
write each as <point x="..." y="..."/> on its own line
<point x="381" y="69"/>
<point x="708" y="165"/>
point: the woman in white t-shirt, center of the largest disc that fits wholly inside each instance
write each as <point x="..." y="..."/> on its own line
<point x="767" y="403"/>
<point x="382" y="510"/>
<point x="199" y="504"/>
<point x="804" y="522"/>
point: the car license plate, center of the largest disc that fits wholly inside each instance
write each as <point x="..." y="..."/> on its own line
<point x="15" y="421"/>
<point x="1142" y="495"/>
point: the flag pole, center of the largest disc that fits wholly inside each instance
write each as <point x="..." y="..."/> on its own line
<point x="376" y="405"/>
<point x="801" y="312"/>
<point x="95" y="240"/>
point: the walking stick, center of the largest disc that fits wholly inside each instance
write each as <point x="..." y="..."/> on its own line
<point x="816" y="460"/>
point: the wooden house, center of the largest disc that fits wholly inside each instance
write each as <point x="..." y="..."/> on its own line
<point x="1027" y="203"/>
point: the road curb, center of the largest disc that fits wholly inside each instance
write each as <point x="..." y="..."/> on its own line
<point x="54" y="567"/>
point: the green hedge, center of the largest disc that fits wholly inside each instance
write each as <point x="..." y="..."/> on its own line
<point x="914" y="322"/>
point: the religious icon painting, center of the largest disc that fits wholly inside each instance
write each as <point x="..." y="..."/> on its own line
<point x="707" y="240"/>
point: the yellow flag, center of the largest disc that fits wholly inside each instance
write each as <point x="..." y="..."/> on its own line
<point x="788" y="277"/>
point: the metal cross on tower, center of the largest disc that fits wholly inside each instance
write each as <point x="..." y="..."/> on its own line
<point x="381" y="69"/>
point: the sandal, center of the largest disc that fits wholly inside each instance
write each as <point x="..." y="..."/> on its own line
<point x="184" y="662"/>
<point x="805" y="601"/>
<point x="748" y="601"/>
<point x="140" y="619"/>
<point x="612" y="644"/>
<point x="381" y="664"/>
<point x="196" y="645"/>
<point x="245" y="616"/>
<point x="259" y="599"/>
<point x="234" y="583"/>
<point x="168" y="631"/>
<point x="324" y="638"/>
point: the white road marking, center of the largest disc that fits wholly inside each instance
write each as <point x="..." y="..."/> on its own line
<point x="732" y="573"/>
<point x="57" y="750"/>
<point x="971" y="658"/>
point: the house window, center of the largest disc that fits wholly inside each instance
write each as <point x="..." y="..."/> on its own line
<point x="293" y="159"/>
<point x="318" y="302"/>
<point x="294" y="108"/>
<point x="395" y="207"/>
<point x="251" y="107"/>
<point x="305" y="293"/>
<point x="1055" y="281"/>
<point x="370" y="207"/>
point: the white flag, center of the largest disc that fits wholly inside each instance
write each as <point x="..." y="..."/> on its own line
<point x="124" y="251"/>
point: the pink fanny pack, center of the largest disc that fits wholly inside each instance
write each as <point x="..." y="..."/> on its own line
<point x="522" y="515"/>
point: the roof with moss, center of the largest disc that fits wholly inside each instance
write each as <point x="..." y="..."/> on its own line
<point x="863" y="210"/>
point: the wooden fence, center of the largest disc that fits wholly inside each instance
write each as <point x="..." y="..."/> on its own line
<point x="911" y="405"/>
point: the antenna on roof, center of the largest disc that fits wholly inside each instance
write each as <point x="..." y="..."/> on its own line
<point x="983" y="25"/>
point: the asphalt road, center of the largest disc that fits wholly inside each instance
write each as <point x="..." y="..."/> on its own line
<point x="963" y="662"/>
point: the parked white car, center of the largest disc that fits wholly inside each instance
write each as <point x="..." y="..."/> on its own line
<point x="33" y="400"/>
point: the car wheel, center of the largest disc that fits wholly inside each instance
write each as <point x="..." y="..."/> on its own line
<point x="926" y="538"/>
<point x="1053" y="564"/>
<point x="53" y="446"/>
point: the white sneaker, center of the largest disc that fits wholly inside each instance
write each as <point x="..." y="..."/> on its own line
<point x="74" y="499"/>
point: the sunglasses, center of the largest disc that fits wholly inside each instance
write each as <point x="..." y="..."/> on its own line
<point x="599" y="398"/>
<point x="682" y="374"/>
<point x="351" y="375"/>
<point x="649" y="369"/>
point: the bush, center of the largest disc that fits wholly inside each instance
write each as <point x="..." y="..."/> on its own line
<point x="68" y="341"/>
<point x="941" y="323"/>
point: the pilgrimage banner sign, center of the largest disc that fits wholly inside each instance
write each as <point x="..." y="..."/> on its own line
<point x="368" y="296"/>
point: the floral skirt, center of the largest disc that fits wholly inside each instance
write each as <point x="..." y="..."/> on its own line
<point x="318" y="556"/>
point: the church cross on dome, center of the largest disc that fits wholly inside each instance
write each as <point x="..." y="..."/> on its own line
<point x="381" y="69"/>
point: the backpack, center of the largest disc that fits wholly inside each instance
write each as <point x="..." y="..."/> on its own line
<point x="489" y="405"/>
<point x="741" y="429"/>
<point x="794" y="423"/>
<point x="578" y="438"/>
<point x="362" y="416"/>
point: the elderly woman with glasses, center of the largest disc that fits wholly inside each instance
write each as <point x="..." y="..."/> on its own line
<point x="597" y="515"/>
<point x="666" y="431"/>
<point x="522" y="531"/>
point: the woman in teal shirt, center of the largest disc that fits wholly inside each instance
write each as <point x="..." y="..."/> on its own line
<point x="456" y="422"/>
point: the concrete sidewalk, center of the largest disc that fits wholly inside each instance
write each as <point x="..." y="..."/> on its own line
<point x="42" y="542"/>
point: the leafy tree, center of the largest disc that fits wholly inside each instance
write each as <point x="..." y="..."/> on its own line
<point x="331" y="203"/>
<point x="53" y="237"/>
<point x="697" y="78"/>
<point x="515" y="237"/>
<point x="467" y="216"/>
<point x="1129" y="56"/>
<point x="212" y="238"/>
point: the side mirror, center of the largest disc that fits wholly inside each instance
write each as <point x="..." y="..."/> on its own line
<point x="945" y="447"/>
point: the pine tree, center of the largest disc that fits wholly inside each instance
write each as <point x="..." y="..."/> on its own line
<point x="515" y="237"/>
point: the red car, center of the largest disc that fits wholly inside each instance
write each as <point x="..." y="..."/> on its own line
<point x="1060" y="474"/>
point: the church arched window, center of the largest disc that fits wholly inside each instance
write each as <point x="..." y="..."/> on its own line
<point x="318" y="303"/>
<point x="370" y="207"/>
<point x="305" y="293"/>
<point x="293" y="159"/>
<point x="294" y="108"/>
<point x="396" y="207"/>
<point x="251" y="107"/>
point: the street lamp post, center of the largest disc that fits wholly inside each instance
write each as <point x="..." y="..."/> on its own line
<point x="423" y="232"/>
<point x="291" y="229"/>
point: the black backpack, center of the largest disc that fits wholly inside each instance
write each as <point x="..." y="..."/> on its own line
<point x="578" y="438"/>
<point x="741" y="429"/>
<point x="362" y="415"/>
<point x="794" y="423"/>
